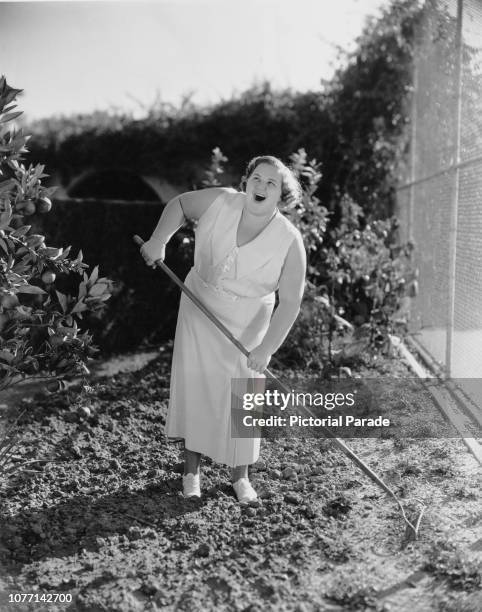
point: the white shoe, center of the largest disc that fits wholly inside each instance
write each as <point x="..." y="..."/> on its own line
<point x="244" y="491"/>
<point x="191" y="486"/>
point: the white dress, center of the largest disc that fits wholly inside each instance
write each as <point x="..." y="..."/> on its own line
<point x="237" y="284"/>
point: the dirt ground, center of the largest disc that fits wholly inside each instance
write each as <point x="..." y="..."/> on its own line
<point x="94" y="510"/>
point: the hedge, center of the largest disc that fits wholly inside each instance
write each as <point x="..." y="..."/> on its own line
<point x="144" y="302"/>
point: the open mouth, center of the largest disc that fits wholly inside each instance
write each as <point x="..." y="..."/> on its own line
<point x="259" y="198"/>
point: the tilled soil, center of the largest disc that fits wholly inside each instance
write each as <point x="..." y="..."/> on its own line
<point x="95" y="511"/>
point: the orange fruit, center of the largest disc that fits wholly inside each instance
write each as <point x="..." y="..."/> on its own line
<point x="43" y="205"/>
<point x="48" y="277"/>
<point x="9" y="301"/>
<point x="30" y="208"/>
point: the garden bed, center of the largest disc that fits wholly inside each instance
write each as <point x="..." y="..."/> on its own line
<point x="98" y="513"/>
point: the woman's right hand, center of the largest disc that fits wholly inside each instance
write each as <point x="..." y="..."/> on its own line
<point x="152" y="251"/>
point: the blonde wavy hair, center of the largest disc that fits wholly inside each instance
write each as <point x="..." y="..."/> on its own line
<point x="290" y="187"/>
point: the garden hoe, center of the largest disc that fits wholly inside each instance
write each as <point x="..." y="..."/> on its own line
<point x="412" y="527"/>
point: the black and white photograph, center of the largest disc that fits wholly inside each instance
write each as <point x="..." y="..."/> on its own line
<point x="241" y="305"/>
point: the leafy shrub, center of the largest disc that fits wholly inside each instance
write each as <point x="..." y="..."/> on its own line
<point x="39" y="334"/>
<point x="317" y="335"/>
<point x="359" y="278"/>
<point x="369" y="273"/>
<point x="215" y="170"/>
<point x="308" y="216"/>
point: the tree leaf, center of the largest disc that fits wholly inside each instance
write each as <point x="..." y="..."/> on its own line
<point x="10" y="116"/>
<point x="6" y="186"/>
<point x="11" y="94"/>
<point x="9" y="107"/>
<point x="5" y="218"/>
<point x="21" y="231"/>
<point x="82" y="288"/>
<point x="62" y="300"/>
<point x="52" y="252"/>
<point x="31" y="289"/>
<point x="95" y="275"/>
<point x="79" y="307"/>
<point x="6" y="356"/>
<point x="97" y="290"/>
<point x="64" y="254"/>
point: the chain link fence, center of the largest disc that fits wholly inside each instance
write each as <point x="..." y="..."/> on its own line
<point x="440" y="197"/>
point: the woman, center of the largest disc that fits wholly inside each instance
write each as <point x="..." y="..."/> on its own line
<point x="245" y="250"/>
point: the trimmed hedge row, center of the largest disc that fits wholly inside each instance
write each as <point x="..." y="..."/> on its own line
<point x="144" y="301"/>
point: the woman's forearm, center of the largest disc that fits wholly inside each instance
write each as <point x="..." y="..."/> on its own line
<point x="281" y="322"/>
<point x="172" y="218"/>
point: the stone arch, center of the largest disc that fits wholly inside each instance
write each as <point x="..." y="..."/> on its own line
<point x="113" y="184"/>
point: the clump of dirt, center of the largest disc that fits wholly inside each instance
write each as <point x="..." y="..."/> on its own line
<point x="447" y="561"/>
<point x="95" y="510"/>
<point x="353" y="591"/>
<point x="338" y="506"/>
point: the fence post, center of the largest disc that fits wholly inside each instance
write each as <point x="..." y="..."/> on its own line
<point x="455" y="191"/>
<point x="413" y="152"/>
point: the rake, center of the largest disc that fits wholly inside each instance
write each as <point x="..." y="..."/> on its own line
<point x="412" y="527"/>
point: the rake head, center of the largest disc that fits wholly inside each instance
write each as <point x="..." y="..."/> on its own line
<point x="416" y="508"/>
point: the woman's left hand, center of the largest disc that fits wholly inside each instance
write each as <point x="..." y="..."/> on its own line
<point x="259" y="359"/>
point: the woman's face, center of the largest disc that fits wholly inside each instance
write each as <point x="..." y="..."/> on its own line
<point x="263" y="189"/>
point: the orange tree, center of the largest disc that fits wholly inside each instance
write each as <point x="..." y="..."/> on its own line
<point x="39" y="333"/>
